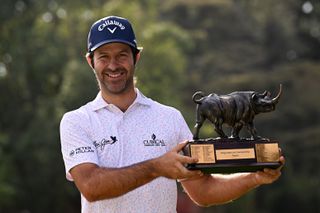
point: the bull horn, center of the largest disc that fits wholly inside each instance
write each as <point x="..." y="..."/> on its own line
<point x="275" y="100"/>
<point x="264" y="94"/>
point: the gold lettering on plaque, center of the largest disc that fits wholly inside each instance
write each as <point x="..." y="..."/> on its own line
<point x="204" y="152"/>
<point x="232" y="154"/>
<point x="267" y="152"/>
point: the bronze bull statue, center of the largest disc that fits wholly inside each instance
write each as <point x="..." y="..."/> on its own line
<point x="236" y="109"/>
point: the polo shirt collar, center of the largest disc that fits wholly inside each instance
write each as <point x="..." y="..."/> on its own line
<point x="99" y="102"/>
<point x="141" y="99"/>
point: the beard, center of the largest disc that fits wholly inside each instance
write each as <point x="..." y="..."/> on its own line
<point x="115" y="82"/>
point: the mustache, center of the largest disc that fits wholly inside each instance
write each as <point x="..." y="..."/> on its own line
<point x="118" y="70"/>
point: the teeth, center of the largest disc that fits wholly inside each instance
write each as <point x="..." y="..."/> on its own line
<point x="114" y="75"/>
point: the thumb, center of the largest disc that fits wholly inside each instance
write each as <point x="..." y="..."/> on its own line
<point x="180" y="146"/>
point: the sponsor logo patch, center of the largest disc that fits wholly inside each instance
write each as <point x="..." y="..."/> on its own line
<point x="81" y="150"/>
<point x="154" y="141"/>
<point x="101" y="144"/>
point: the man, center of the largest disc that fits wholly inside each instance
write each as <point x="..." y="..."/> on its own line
<point x="122" y="149"/>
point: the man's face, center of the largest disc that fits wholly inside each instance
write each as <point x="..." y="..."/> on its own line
<point x="114" y="68"/>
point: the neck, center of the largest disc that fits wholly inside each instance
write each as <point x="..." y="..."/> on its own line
<point x="122" y="101"/>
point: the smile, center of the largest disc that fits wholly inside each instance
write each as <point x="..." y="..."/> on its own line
<point x="114" y="75"/>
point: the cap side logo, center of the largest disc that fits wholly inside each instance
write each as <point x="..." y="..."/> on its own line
<point x="112" y="30"/>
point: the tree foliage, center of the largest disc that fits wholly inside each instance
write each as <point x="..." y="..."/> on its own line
<point x="214" y="45"/>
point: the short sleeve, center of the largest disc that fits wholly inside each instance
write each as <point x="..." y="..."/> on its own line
<point x="184" y="132"/>
<point x="76" y="145"/>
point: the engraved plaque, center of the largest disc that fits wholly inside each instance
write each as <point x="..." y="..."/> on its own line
<point x="232" y="154"/>
<point x="204" y="152"/>
<point x="267" y="152"/>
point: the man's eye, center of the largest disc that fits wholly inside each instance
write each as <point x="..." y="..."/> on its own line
<point x="124" y="55"/>
<point x="102" y="56"/>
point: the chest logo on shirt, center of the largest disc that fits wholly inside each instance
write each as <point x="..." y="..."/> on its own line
<point x="101" y="144"/>
<point x="154" y="141"/>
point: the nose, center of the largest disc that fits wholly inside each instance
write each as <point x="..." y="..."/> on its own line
<point x="113" y="64"/>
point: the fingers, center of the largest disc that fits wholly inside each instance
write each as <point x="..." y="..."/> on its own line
<point x="187" y="160"/>
<point x="267" y="176"/>
<point x="280" y="151"/>
<point x="174" y="153"/>
<point x="282" y="160"/>
<point x="190" y="178"/>
<point x="272" y="172"/>
<point x="186" y="174"/>
<point x="183" y="158"/>
<point x="180" y="146"/>
<point x="173" y="164"/>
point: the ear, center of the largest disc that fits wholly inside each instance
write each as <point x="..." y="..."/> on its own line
<point x="138" y="57"/>
<point x="89" y="60"/>
<point x="254" y="97"/>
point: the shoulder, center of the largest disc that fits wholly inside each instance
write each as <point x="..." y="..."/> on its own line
<point x="85" y="112"/>
<point x="80" y="116"/>
<point x="165" y="112"/>
<point x="155" y="106"/>
<point x="162" y="108"/>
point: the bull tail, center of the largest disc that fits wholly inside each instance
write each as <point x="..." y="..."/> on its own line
<point x="199" y="93"/>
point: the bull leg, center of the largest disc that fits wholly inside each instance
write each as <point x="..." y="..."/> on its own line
<point x="196" y="132"/>
<point x="236" y="130"/>
<point x="218" y="128"/>
<point x="197" y="127"/>
<point x="253" y="131"/>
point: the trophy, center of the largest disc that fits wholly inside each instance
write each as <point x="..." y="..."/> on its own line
<point x="233" y="154"/>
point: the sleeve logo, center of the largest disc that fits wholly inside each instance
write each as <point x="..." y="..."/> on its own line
<point x="101" y="144"/>
<point x="81" y="150"/>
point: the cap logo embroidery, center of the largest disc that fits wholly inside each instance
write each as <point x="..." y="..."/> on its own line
<point x="112" y="31"/>
<point x="110" y="22"/>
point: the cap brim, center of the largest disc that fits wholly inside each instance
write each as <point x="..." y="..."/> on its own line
<point x="115" y="41"/>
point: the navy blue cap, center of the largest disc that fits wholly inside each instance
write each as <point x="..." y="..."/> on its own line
<point x="111" y="29"/>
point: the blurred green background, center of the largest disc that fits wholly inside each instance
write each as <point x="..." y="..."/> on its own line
<point x="211" y="45"/>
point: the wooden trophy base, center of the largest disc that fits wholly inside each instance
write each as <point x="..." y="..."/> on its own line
<point x="228" y="155"/>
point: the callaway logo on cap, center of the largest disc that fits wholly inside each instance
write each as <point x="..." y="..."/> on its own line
<point x="111" y="29"/>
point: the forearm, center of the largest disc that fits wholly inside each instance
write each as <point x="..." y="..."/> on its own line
<point x="97" y="183"/>
<point x="219" y="189"/>
<point x="103" y="183"/>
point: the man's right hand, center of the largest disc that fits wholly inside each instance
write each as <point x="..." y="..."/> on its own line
<point x="172" y="164"/>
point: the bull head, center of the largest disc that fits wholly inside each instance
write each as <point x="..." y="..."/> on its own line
<point x="263" y="102"/>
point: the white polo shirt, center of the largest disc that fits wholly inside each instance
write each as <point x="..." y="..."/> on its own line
<point x="102" y="134"/>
